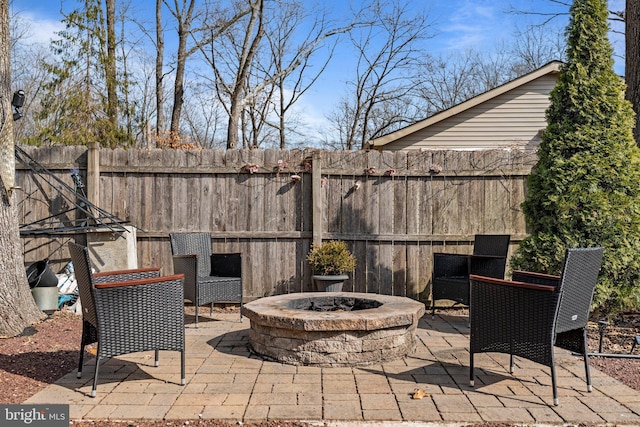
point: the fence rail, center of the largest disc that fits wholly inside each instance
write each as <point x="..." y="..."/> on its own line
<point x="394" y="209"/>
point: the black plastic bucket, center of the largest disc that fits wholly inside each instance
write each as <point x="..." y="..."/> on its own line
<point x="39" y="274"/>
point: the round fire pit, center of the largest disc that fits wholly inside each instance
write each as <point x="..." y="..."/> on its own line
<point x="333" y="328"/>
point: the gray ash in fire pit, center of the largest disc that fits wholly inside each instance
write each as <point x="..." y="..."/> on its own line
<point x="334" y="304"/>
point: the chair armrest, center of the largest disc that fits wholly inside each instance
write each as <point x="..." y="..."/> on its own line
<point x="124" y="275"/>
<point x="187" y="265"/>
<point x="531" y="277"/>
<point x="503" y="313"/>
<point x="450" y="265"/>
<point x="137" y="282"/>
<point x="511" y="283"/>
<point x="152" y="308"/>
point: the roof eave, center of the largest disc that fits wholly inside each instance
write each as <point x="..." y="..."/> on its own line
<point x="549" y="68"/>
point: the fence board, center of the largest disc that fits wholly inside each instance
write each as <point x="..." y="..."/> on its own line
<point x="371" y="205"/>
<point x="331" y="194"/>
<point x="399" y="270"/>
<point x="392" y="223"/>
<point x="385" y="267"/>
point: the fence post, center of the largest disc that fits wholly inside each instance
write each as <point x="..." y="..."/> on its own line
<point x="93" y="173"/>
<point x="316" y="196"/>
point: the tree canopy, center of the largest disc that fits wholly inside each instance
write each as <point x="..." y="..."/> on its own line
<point x="584" y="189"/>
<point x="228" y="73"/>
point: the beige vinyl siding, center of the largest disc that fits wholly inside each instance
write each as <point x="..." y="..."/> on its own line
<point x="514" y="118"/>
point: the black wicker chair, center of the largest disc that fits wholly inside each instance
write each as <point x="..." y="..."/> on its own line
<point x="208" y="277"/>
<point x="527" y="316"/>
<point x="450" y="279"/>
<point x="128" y="311"/>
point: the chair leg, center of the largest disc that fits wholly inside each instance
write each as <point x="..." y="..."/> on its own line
<point x="95" y="375"/>
<point x="211" y="310"/>
<point x="553" y="380"/>
<point x="157" y="356"/>
<point x="433" y="309"/>
<point x="79" y="374"/>
<point x="586" y="361"/>
<point x="471" y="379"/>
<point x="83" y="343"/>
<point x="183" y="380"/>
<point x="196" y="315"/>
<point x="512" y="364"/>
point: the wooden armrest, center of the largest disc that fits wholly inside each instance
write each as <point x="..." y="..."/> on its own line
<point x="512" y="283"/>
<point x="186" y="256"/>
<point x="540" y="275"/>
<point x="136" y="270"/>
<point x="139" y="281"/>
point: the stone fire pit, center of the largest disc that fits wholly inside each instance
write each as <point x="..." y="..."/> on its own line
<point x="333" y="328"/>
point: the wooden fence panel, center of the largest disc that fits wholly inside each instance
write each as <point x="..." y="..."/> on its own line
<point x="399" y="269"/>
<point x="385" y="268"/>
<point x="393" y="209"/>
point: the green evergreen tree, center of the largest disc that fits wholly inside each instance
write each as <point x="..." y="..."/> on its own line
<point x="585" y="188"/>
<point x="74" y="102"/>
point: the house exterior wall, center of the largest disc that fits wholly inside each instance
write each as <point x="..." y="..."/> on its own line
<point x="514" y="118"/>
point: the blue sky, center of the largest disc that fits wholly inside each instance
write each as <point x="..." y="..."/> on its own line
<point x="460" y="23"/>
<point x="479" y="25"/>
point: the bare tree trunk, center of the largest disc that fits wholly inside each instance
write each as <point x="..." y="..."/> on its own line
<point x="110" y="66"/>
<point x="249" y="49"/>
<point x="159" y="72"/>
<point x="387" y="60"/>
<point x="17" y="307"/>
<point x="126" y="81"/>
<point x="632" y="60"/>
<point x="281" y="110"/>
<point x="184" y="29"/>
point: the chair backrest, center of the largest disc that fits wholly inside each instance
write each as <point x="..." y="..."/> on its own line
<point x="82" y="271"/>
<point x="578" y="282"/>
<point x="491" y="244"/>
<point x="193" y="243"/>
<point x="226" y="265"/>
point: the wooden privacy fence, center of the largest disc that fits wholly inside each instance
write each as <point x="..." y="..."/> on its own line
<point x="394" y="209"/>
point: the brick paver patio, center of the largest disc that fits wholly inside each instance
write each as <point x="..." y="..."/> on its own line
<point x="225" y="381"/>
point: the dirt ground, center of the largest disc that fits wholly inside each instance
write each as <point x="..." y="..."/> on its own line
<point x="49" y="350"/>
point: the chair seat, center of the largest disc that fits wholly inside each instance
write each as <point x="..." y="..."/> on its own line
<point x="220" y="279"/>
<point x="229" y="289"/>
<point x="454" y="288"/>
<point x="452" y="279"/>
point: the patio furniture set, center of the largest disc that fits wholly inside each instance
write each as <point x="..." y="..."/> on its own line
<point x="139" y="310"/>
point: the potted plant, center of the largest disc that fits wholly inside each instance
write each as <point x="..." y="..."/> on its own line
<point x="329" y="263"/>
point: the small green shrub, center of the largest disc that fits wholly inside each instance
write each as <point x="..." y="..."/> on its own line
<point x="331" y="258"/>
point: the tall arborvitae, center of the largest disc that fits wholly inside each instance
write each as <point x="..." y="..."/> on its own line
<point x="585" y="188"/>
